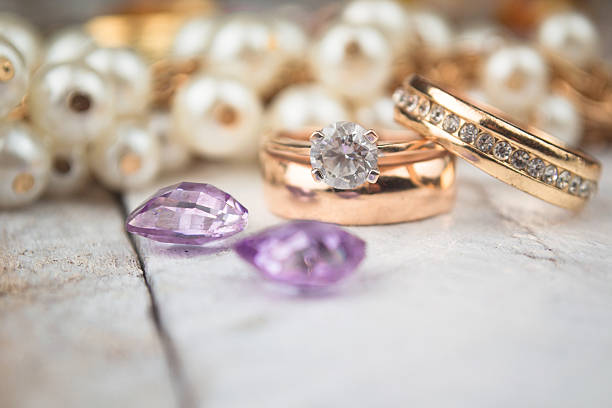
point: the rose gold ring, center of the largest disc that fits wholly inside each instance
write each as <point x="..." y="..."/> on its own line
<point x="413" y="178"/>
<point x="529" y="160"/>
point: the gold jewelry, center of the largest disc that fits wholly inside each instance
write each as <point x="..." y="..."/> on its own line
<point x="416" y="180"/>
<point x="529" y="160"/>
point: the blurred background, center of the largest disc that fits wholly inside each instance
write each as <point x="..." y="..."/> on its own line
<point x="50" y="15"/>
<point x="150" y="85"/>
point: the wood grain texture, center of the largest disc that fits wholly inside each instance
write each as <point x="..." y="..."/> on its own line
<point x="75" y="313"/>
<point x="506" y="301"/>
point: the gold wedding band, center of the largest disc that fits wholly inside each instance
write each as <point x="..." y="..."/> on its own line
<point x="529" y="160"/>
<point x="416" y="180"/>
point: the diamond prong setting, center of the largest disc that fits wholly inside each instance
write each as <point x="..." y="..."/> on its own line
<point x="373" y="176"/>
<point x="345" y="156"/>
<point x="316" y="136"/>
<point x="372" y="136"/>
<point x="317" y="175"/>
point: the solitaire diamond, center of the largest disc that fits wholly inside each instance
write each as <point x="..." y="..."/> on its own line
<point x="344" y="155"/>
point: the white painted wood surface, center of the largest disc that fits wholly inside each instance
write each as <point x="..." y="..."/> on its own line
<point x="506" y="302"/>
<point x="75" y="315"/>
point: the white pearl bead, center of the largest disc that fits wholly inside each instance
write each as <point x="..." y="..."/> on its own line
<point x="570" y="35"/>
<point x="353" y="61"/>
<point x="302" y="106"/>
<point x="23" y="35"/>
<point x="432" y="30"/>
<point x="378" y="114"/>
<point x="480" y="38"/>
<point x="129" y="74"/>
<point x="174" y="155"/>
<point x="515" y="79"/>
<point x="252" y="50"/>
<point x="193" y="37"/>
<point x="69" y="44"/>
<point x="69" y="169"/>
<point x="127" y="157"/>
<point x="217" y="117"/>
<point x="13" y="77"/>
<point x="24" y="165"/>
<point x="388" y="16"/>
<point x="557" y="116"/>
<point x="287" y="38"/>
<point x="72" y="102"/>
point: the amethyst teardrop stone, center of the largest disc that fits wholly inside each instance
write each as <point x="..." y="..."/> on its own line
<point x="188" y="213"/>
<point x="303" y="253"/>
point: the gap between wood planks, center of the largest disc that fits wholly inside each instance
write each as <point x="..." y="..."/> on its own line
<point x="184" y="394"/>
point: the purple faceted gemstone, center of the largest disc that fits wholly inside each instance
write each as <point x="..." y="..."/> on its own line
<point x="303" y="253"/>
<point x="188" y="213"/>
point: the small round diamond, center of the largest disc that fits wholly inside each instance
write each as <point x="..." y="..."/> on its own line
<point x="412" y="102"/>
<point x="563" y="179"/>
<point x="424" y="107"/>
<point x="574" y="185"/>
<point x="485" y="142"/>
<point x="451" y="123"/>
<point x="519" y="159"/>
<point x="468" y="133"/>
<point x="437" y="113"/>
<point x="400" y="97"/>
<point x="343" y="155"/>
<point x="549" y="176"/>
<point x="535" y="168"/>
<point x="587" y="189"/>
<point x="502" y="150"/>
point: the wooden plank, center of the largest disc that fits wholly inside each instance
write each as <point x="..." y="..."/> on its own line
<point x="75" y="313"/>
<point x="505" y="302"/>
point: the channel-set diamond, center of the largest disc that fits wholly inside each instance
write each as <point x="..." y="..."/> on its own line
<point x="574" y="185"/>
<point x="563" y="179"/>
<point x="587" y="188"/>
<point x="468" y="133"/>
<point x="549" y="176"/>
<point x="424" y="107"/>
<point x="502" y="150"/>
<point x="400" y="97"/>
<point x="535" y="168"/>
<point x="485" y="142"/>
<point x="519" y="159"/>
<point x="344" y="155"/>
<point x="451" y="123"/>
<point x="437" y="114"/>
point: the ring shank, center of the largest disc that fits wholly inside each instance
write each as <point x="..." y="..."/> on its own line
<point x="531" y="143"/>
<point x="406" y="190"/>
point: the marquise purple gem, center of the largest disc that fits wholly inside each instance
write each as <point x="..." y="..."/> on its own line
<point x="188" y="213"/>
<point x="303" y="253"/>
